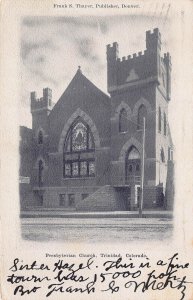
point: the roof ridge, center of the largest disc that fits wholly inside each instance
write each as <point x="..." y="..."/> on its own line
<point x="76" y="76"/>
<point x="79" y="73"/>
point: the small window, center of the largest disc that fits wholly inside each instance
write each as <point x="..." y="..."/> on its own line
<point x="75" y="169"/>
<point x="84" y="196"/>
<point x="40" y="137"/>
<point x="67" y="169"/>
<point x="130" y="168"/>
<point x="162" y="155"/>
<point x="71" y="199"/>
<point x="83" y="168"/>
<point x="170" y="154"/>
<point x="91" y="168"/>
<point x="137" y="167"/>
<point x="165" y="124"/>
<point x="123" y="121"/>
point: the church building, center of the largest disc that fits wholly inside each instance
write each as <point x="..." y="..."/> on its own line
<point x="85" y="152"/>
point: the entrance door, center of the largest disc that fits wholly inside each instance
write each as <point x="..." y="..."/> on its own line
<point x="132" y="164"/>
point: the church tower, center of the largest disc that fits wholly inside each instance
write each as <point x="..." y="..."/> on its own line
<point x="40" y="110"/>
<point x="140" y="86"/>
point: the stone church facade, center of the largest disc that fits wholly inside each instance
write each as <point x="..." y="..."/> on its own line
<point x="85" y="152"/>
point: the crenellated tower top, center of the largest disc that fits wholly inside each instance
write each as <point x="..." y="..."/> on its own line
<point x="139" y="68"/>
<point x="43" y="103"/>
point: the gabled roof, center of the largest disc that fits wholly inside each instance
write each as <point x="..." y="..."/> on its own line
<point x="79" y="80"/>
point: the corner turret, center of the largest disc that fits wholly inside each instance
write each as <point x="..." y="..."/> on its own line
<point x="153" y="40"/>
<point x="40" y="110"/>
<point x="112" y="56"/>
<point x="43" y="103"/>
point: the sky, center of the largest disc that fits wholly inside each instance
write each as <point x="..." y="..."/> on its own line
<point x="52" y="48"/>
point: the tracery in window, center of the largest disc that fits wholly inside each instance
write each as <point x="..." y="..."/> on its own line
<point x="79" y="151"/>
<point x="83" y="168"/>
<point x="79" y="137"/>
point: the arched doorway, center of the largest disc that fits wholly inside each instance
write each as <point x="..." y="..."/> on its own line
<point x="133" y="175"/>
<point x="133" y="165"/>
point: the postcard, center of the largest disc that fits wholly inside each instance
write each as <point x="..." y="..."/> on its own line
<point x="96" y="150"/>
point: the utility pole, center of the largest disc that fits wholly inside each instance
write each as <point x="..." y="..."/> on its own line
<point x="142" y="170"/>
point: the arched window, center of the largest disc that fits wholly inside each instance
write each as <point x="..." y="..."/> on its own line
<point x="142" y="112"/>
<point x="40" y="172"/>
<point x="170" y="153"/>
<point x="159" y="120"/>
<point x="40" y="137"/>
<point x="79" y="151"/>
<point x="123" y="121"/>
<point x="162" y="155"/>
<point x="165" y="124"/>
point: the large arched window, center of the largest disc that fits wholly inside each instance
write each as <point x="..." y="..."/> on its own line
<point x="79" y="151"/>
<point x="142" y="112"/>
<point x="123" y="120"/>
<point x="40" y="172"/>
<point x="165" y="124"/>
<point x="159" y="120"/>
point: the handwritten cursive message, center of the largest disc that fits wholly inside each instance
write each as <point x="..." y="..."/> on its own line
<point x="112" y="276"/>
